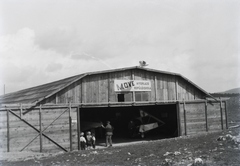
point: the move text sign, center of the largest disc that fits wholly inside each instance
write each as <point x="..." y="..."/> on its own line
<point x="132" y="85"/>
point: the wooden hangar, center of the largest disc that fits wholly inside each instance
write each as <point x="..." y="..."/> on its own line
<point x="161" y="104"/>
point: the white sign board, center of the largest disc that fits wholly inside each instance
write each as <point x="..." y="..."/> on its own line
<point x="131" y="85"/>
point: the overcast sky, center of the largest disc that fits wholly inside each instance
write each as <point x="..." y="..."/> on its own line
<point x="44" y="41"/>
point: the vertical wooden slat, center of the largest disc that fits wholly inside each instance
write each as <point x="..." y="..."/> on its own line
<point x="176" y="87"/>
<point x="108" y="88"/>
<point x="56" y="98"/>
<point x="155" y="84"/>
<point x="226" y="114"/>
<point x="40" y="126"/>
<point x="185" y="117"/>
<point x="78" y="126"/>
<point x="8" y="132"/>
<point x="81" y="93"/>
<point x="206" y="118"/>
<point x="70" y="127"/>
<point x="178" y="119"/>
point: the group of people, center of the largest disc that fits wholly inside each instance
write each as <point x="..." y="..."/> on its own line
<point x="89" y="141"/>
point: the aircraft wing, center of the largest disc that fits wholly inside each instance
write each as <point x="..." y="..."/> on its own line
<point x="147" y="127"/>
<point x="90" y="125"/>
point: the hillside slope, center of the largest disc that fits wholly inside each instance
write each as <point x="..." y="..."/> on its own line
<point x="235" y="90"/>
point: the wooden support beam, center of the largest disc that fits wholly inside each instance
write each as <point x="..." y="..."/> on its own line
<point x="221" y="111"/>
<point x="8" y="132"/>
<point x="226" y="114"/>
<point x="185" y="117"/>
<point x="78" y="127"/>
<point x="155" y="85"/>
<point x="178" y="119"/>
<point x="40" y="126"/>
<point x="206" y="116"/>
<point x="70" y="127"/>
<point x="176" y="87"/>
<point x="29" y="109"/>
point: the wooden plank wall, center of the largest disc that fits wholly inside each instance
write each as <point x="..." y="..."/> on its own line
<point x="214" y="116"/>
<point x="124" y="75"/>
<point x="188" y="92"/>
<point x="99" y="88"/>
<point x="21" y="134"/>
<point x="195" y="118"/>
<point x="3" y="131"/>
<point x="200" y="117"/>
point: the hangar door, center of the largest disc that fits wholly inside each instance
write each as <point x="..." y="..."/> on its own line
<point x="154" y="121"/>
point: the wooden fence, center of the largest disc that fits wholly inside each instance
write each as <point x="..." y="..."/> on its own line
<point x="50" y="128"/>
<point x="41" y="128"/>
<point x="199" y="117"/>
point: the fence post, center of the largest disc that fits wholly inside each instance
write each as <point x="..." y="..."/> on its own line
<point x="178" y="119"/>
<point x="221" y="113"/>
<point x="226" y="114"/>
<point x="8" y="132"/>
<point x="206" y="118"/>
<point x="70" y="127"/>
<point x="40" y="126"/>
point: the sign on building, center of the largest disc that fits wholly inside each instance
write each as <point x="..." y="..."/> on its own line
<point x="132" y="85"/>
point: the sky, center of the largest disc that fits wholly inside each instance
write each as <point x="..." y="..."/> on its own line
<point x="42" y="41"/>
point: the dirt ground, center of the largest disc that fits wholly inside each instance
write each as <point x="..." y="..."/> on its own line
<point x="210" y="149"/>
<point x="218" y="148"/>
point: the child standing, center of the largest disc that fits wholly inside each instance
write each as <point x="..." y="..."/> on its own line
<point x="91" y="140"/>
<point x="82" y="141"/>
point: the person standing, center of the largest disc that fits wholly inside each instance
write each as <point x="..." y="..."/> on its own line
<point x="109" y="133"/>
<point x="82" y="141"/>
<point x="91" y="140"/>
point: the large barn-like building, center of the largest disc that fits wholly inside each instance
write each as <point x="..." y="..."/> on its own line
<point x="50" y="117"/>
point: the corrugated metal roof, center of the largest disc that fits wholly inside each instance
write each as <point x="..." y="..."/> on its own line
<point x="39" y="93"/>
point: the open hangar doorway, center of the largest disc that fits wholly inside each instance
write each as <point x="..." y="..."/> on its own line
<point x="162" y="120"/>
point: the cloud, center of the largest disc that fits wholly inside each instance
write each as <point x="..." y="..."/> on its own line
<point x="198" y="39"/>
<point x="24" y="64"/>
<point x="62" y="40"/>
<point x="53" y="67"/>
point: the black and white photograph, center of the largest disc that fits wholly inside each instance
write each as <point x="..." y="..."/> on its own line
<point x="120" y="82"/>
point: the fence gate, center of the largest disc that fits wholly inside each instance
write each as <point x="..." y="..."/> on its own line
<point x="38" y="129"/>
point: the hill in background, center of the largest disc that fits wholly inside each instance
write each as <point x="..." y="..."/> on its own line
<point x="235" y="90"/>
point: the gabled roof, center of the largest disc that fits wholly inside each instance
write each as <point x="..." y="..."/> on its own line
<point x="37" y="94"/>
